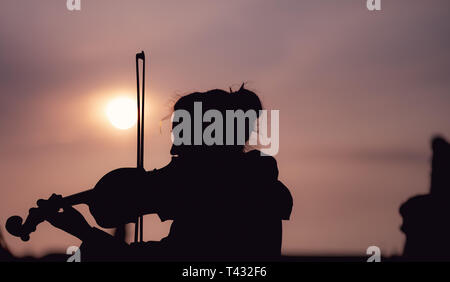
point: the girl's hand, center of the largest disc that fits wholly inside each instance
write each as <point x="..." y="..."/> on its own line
<point x="69" y="219"/>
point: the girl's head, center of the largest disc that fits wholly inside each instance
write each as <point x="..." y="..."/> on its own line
<point x="214" y="121"/>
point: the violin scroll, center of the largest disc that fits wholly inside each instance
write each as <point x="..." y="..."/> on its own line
<point x="14" y="227"/>
<point x="17" y="227"/>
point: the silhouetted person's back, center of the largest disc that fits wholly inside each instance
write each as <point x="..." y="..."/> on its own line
<point x="426" y="218"/>
<point x="223" y="207"/>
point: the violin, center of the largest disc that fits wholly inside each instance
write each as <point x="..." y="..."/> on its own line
<point x="113" y="202"/>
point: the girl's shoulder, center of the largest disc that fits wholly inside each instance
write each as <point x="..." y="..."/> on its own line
<point x="264" y="164"/>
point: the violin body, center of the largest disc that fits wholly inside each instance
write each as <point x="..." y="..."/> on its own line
<point x="114" y="199"/>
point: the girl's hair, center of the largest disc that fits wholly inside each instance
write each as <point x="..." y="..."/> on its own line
<point x="220" y="100"/>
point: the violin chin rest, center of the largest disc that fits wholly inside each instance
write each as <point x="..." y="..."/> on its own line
<point x="14" y="225"/>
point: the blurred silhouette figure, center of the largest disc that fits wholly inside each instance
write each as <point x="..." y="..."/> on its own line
<point x="225" y="203"/>
<point x="426" y="217"/>
<point x="5" y="255"/>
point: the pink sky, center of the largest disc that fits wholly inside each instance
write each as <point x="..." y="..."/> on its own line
<point x="360" y="94"/>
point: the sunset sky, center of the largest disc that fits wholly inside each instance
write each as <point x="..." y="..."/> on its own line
<point x="360" y="95"/>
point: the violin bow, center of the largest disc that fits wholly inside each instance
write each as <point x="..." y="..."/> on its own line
<point x="139" y="224"/>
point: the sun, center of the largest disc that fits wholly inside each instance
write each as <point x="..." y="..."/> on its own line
<point x="122" y="112"/>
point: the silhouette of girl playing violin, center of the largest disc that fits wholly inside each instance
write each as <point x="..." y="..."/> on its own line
<point x="225" y="203"/>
